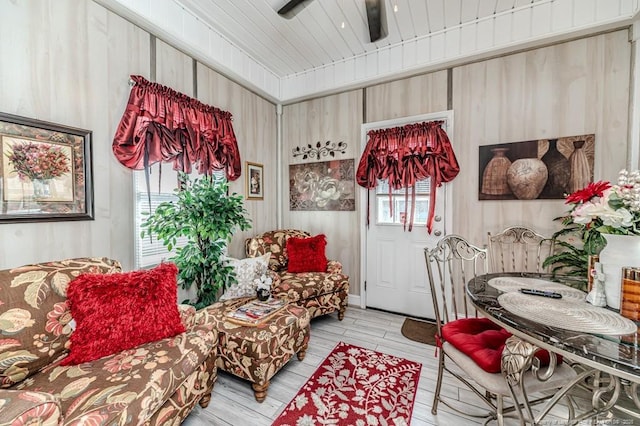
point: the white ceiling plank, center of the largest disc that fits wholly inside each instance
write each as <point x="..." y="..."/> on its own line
<point x="227" y="18"/>
<point x="436" y="47"/>
<point x="486" y="8"/>
<point x="502" y="29"/>
<point x="468" y="10"/>
<point x="585" y="13"/>
<point x="348" y="34"/>
<point x="468" y="38"/>
<point x="315" y="25"/>
<point x="330" y="21"/>
<point x="417" y="11"/>
<point x="435" y="10"/>
<point x="453" y="12"/>
<point x="402" y="19"/>
<point x="274" y="29"/>
<point x="521" y="24"/>
<point x="504" y="5"/>
<point x="541" y="19"/>
<point x="485" y="34"/>
<point x="522" y="3"/>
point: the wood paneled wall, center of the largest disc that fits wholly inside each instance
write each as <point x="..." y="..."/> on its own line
<point x="332" y="118"/>
<point x="403" y="98"/>
<point x="254" y="122"/>
<point x="68" y="62"/>
<point x="574" y="88"/>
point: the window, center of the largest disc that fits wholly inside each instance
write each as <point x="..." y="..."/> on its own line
<point x="397" y="199"/>
<point x="150" y="251"/>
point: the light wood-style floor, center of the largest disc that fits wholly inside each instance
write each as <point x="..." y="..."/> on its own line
<point x="233" y="403"/>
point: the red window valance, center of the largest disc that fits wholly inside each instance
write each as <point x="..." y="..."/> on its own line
<point x="162" y="125"/>
<point x="405" y="155"/>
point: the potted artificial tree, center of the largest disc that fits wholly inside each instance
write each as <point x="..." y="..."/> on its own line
<point x="207" y="215"/>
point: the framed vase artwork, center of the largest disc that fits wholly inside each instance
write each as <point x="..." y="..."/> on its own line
<point x="538" y="169"/>
<point x="45" y="172"/>
<point x="254" y="181"/>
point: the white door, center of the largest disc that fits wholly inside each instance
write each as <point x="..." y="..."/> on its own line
<point x="396" y="274"/>
<point x="394" y="269"/>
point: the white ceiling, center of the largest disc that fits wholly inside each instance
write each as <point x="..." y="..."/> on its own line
<point x="311" y="54"/>
<point x="314" y="37"/>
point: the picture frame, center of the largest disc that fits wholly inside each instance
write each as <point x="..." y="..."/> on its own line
<point x="45" y="172"/>
<point x="540" y="169"/>
<point x="254" y="181"/>
<point x="323" y="186"/>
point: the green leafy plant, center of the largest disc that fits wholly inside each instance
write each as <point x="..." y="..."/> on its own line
<point x="574" y="244"/>
<point x="207" y="216"/>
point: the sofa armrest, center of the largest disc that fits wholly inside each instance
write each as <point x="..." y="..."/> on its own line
<point x="26" y="407"/>
<point x="187" y="315"/>
<point x="334" y="267"/>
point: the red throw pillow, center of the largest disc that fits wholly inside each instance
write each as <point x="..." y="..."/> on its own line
<point x="115" y="312"/>
<point x="307" y="254"/>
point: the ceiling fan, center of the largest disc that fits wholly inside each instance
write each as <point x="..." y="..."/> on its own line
<point x="375" y="18"/>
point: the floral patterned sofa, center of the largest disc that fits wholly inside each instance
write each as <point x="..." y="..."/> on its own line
<point x="320" y="292"/>
<point x="154" y="383"/>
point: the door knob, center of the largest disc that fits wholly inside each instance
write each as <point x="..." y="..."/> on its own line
<point x="437" y="218"/>
<point x="437" y="233"/>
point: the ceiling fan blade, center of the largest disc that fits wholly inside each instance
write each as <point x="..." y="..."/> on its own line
<point x="288" y="9"/>
<point x="376" y="19"/>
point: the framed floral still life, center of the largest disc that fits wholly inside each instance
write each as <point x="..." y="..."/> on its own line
<point x="255" y="181"/>
<point x="45" y="171"/>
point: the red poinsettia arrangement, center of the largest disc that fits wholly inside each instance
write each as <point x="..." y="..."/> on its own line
<point x="43" y="161"/>
<point x="607" y="208"/>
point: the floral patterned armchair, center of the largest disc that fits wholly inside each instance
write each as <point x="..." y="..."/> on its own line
<point x="155" y="383"/>
<point x="320" y="292"/>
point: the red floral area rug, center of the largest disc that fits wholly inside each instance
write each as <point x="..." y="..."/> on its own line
<point x="355" y="386"/>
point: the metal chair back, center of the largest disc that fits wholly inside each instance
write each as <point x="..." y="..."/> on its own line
<point x="450" y="265"/>
<point x="519" y="249"/>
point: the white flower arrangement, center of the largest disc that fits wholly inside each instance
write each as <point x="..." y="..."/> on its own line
<point x="609" y="209"/>
<point x="263" y="282"/>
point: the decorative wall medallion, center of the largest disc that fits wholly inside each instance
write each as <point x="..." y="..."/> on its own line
<point x="328" y="185"/>
<point x="568" y="162"/>
<point x="320" y="150"/>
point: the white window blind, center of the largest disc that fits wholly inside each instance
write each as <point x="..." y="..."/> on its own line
<point x="150" y="251"/>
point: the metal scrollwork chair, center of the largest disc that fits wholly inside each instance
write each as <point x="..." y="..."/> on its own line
<point x="475" y="344"/>
<point x="519" y="249"/>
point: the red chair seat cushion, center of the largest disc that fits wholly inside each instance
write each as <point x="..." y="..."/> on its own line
<point x="483" y="341"/>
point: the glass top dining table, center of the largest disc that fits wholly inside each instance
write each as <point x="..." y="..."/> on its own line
<point x="615" y="354"/>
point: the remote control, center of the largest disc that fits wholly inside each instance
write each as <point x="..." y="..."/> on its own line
<point x="542" y="293"/>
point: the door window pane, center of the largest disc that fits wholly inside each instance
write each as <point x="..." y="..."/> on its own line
<point x="400" y="215"/>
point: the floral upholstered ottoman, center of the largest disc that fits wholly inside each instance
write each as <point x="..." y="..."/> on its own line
<point x="256" y="353"/>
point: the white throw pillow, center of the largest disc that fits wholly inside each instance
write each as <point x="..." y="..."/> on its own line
<point x="248" y="273"/>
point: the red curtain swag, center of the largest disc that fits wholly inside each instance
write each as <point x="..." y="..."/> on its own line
<point x="405" y="155"/>
<point x="162" y="125"/>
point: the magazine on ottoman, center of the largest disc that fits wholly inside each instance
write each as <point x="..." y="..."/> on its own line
<point x="254" y="312"/>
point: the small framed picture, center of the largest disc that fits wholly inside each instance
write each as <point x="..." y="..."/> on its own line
<point x="255" y="181"/>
